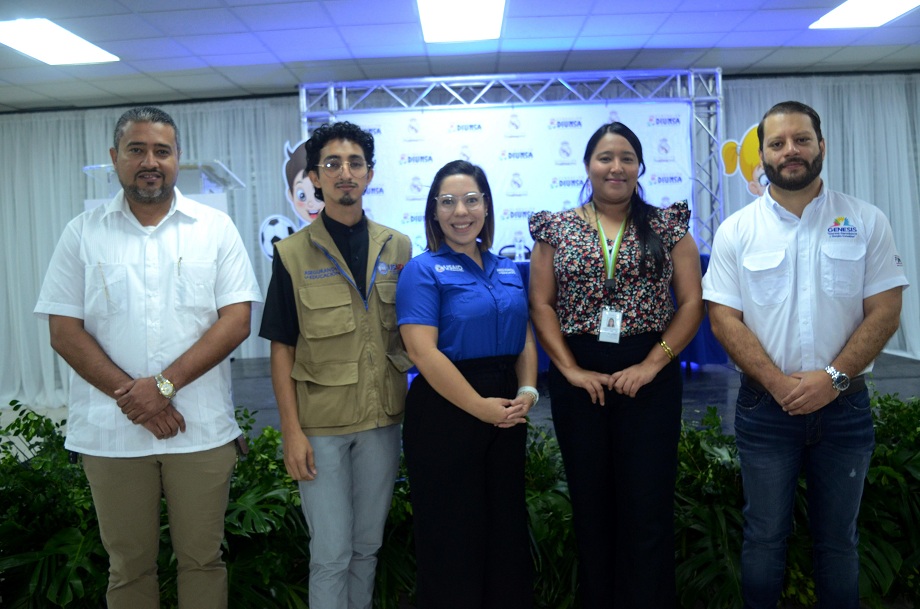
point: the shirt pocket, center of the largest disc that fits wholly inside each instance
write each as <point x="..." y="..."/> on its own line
<point x="195" y="283"/>
<point x="460" y="298"/>
<point x="768" y="276"/>
<point x="843" y="268"/>
<point x="106" y="290"/>
<point x="327" y="311"/>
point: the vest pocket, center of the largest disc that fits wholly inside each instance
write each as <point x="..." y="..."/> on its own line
<point x="327" y="311"/>
<point x="326" y="393"/>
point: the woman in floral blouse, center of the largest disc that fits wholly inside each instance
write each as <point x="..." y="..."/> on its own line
<point x="606" y="317"/>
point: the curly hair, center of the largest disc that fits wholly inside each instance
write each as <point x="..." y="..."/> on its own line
<point x="338" y="131"/>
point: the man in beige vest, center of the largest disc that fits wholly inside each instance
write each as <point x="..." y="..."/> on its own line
<point x="339" y="367"/>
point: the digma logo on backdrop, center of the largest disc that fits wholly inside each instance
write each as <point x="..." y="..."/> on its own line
<point x="567" y="183"/>
<point x="663" y="121"/>
<point x="564" y="123"/>
<point x="516" y="155"/>
<point x="415" y="159"/>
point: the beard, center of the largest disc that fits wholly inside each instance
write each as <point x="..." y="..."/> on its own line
<point x="148" y="196"/>
<point x="812" y="171"/>
<point x="347" y="200"/>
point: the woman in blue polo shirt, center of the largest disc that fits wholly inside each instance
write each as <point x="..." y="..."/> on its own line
<point x="463" y="316"/>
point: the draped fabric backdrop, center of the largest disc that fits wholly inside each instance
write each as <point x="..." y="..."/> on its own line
<point x="871" y="123"/>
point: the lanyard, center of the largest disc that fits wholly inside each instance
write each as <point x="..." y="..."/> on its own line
<point x="610" y="259"/>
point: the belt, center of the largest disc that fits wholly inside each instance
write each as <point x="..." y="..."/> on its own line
<point x="857" y="384"/>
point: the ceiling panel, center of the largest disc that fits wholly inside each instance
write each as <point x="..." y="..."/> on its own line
<point x="190" y="49"/>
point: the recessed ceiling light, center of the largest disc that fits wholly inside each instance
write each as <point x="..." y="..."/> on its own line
<point x="864" y="13"/>
<point x="50" y="43"/>
<point x="465" y="21"/>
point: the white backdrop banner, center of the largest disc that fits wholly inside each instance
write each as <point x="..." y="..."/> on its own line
<point x="532" y="156"/>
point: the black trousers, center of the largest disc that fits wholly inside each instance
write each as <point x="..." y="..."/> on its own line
<point x="621" y="464"/>
<point x="466" y="480"/>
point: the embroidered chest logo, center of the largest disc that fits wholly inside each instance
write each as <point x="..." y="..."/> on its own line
<point x="448" y="267"/>
<point x="842" y="228"/>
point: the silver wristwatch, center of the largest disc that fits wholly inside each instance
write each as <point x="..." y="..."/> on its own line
<point x="839" y="380"/>
<point x="167" y="389"/>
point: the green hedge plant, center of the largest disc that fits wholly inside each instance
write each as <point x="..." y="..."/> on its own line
<point x="51" y="554"/>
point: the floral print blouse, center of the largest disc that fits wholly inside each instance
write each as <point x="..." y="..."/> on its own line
<point x="578" y="264"/>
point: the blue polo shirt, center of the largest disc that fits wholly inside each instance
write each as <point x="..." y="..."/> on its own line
<point x="479" y="312"/>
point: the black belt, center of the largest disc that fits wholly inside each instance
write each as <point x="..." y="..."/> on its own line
<point x="857" y="384"/>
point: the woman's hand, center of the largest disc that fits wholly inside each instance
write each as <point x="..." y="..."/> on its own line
<point x="590" y="381"/>
<point x="630" y="380"/>
<point x="503" y="412"/>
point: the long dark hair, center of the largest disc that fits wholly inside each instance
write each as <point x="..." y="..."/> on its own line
<point x="433" y="232"/>
<point x="650" y="245"/>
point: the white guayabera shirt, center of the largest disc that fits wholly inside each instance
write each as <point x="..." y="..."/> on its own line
<point x="146" y="294"/>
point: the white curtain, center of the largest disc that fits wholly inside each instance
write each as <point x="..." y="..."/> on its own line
<point x="42" y="187"/>
<point x="871" y="124"/>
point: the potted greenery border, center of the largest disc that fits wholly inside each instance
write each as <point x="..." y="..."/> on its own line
<point x="51" y="554"/>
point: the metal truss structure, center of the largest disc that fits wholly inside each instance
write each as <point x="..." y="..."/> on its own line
<point x="321" y="102"/>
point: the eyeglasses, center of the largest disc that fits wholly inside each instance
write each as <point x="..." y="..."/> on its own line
<point x="358" y="169"/>
<point x="471" y="201"/>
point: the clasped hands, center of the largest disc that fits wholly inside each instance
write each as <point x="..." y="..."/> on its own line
<point x="627" y="381"/>
<point x="505" y="413"/>
<point x="804" y="392"/>
<point x="143" y="404"/>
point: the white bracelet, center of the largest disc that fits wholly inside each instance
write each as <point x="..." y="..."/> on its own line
<point x="531" y="391"/>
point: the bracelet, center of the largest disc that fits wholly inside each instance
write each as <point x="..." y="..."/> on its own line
<point x="531" y="391"/>
<point x="671" y="355"/>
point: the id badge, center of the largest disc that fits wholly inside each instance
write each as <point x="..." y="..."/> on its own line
<point x="611" y="322"/>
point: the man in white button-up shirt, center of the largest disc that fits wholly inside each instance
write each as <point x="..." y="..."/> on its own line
<point x="804" y="290"/>
<point x="146" y="297"/>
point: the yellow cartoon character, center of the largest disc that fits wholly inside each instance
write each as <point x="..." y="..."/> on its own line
<point x="746" y="157"/>
<point x="300" y="190"/>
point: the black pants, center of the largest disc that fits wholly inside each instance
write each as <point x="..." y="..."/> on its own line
<point x="621" y="464"/>
<point x="466" y="479"/>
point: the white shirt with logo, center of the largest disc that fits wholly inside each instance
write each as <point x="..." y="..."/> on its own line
<point x="800" y="282"/>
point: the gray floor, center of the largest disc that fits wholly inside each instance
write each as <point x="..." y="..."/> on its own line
<point x="709" y="385"/>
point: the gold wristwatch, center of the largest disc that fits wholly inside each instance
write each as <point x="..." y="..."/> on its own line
<point x="167" y="389"/>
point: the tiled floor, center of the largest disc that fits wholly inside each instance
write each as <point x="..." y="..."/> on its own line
<point x="709" y="385"/>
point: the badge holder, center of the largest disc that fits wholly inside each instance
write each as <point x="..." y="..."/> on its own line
<point x="611" y="323"/>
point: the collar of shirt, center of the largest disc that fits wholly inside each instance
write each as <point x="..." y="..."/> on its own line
<point x="342" y="231"/>
<point x="782" y="212"/>
<point x="179" y="204"/>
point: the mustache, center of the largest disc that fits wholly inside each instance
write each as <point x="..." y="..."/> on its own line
<point x="795" y="160"/>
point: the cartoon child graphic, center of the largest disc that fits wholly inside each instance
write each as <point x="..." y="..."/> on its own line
<point x="300" y="189"/>
<point x="746" y="157"/>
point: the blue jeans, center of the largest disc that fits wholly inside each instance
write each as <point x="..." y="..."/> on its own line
<point x="346" y="508"/>
<point x="833" y="445"/>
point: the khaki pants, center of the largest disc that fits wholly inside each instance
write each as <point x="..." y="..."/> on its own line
<point x="127" y="492"/>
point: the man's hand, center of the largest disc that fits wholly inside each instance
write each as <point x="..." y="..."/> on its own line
<point x="813" y="392"/>
<point x="298" y="456"/>
<point x="140" y="400"/>
<point x="166" y="423"/>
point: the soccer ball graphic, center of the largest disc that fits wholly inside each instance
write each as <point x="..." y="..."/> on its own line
<point x="274" y="229"/>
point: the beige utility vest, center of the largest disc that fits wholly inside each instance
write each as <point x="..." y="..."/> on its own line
<point x="349" y="364"/>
